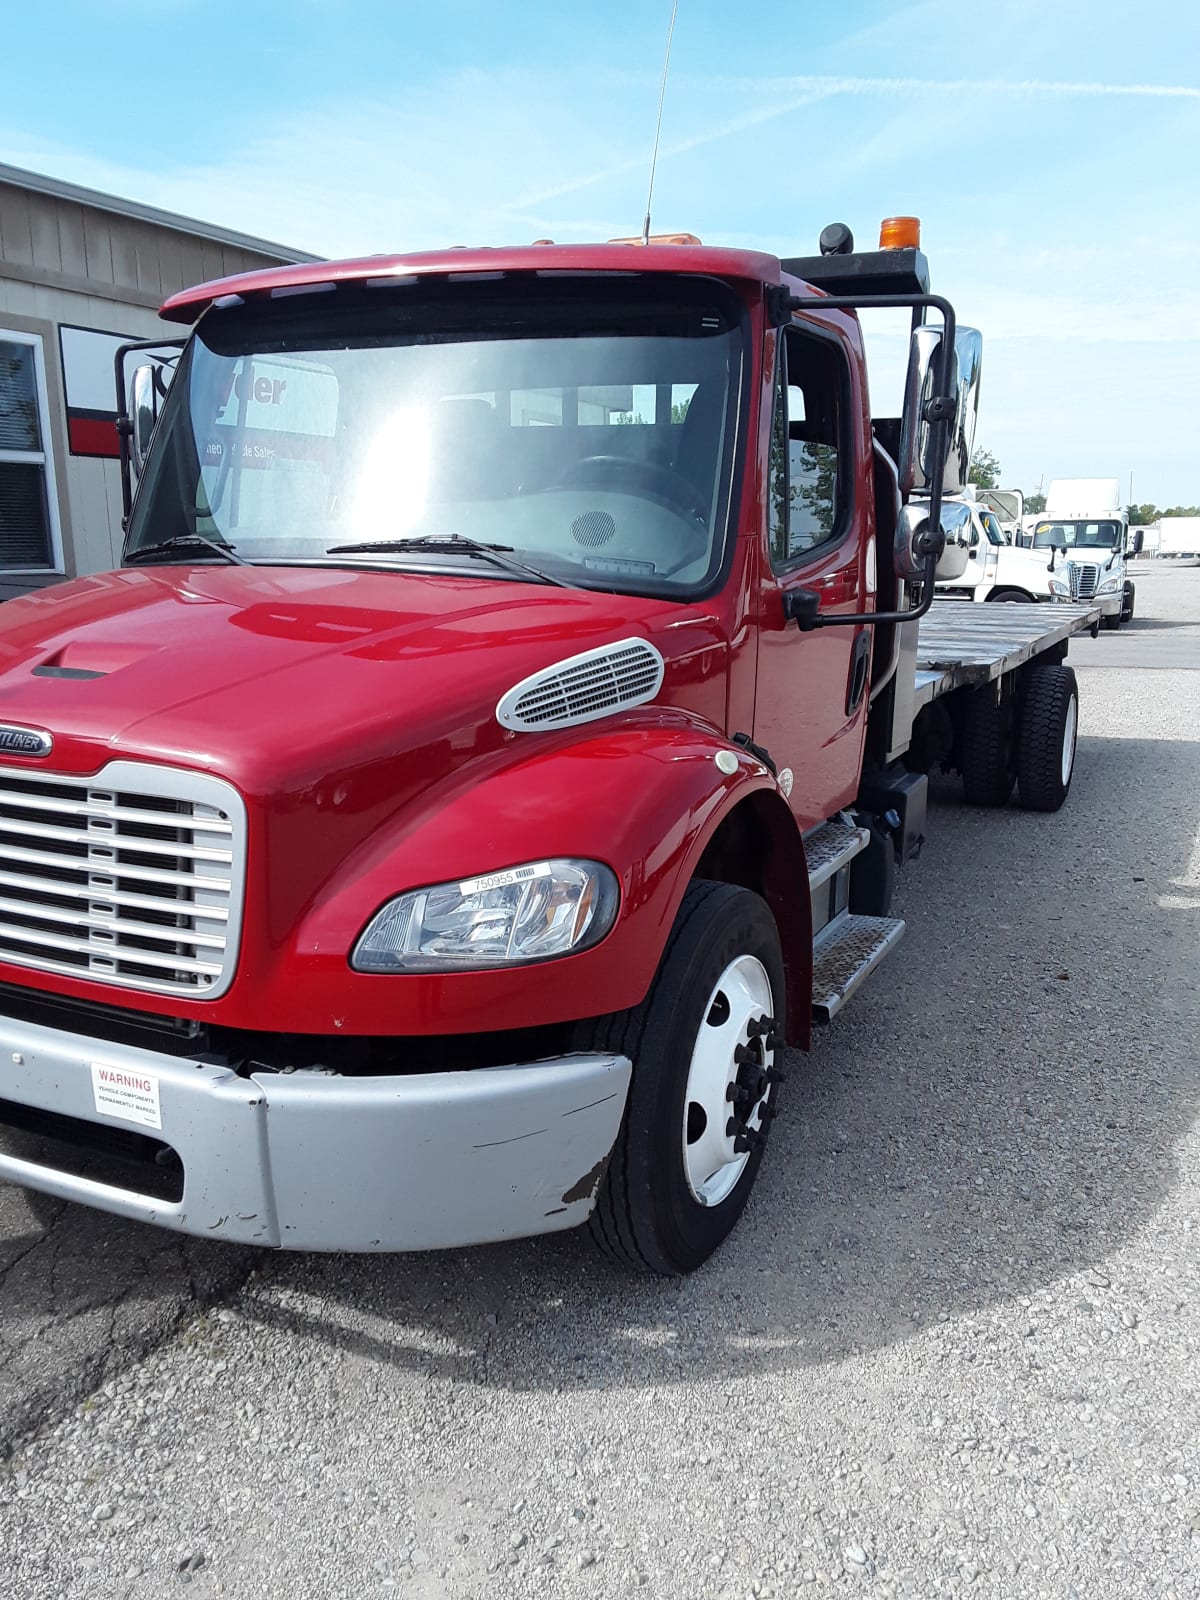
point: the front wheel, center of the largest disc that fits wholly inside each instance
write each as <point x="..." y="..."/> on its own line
<point x="1017" y="595"/>
<point x="1046" y="746"/>
<point x="703" y="1045"/>
<point x="1130" y="592"/>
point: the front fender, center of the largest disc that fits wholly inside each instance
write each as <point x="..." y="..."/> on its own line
<point x="643" y="797"/>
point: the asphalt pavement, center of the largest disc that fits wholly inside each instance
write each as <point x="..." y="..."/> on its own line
<point x="951" y="1347"/>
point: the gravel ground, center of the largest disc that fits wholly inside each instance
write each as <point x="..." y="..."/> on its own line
<point x="951" y="1348"/>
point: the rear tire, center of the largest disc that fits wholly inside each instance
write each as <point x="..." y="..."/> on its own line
<point x="987" y="767"/>
<point x="1046" y="746"/>
<point x="720" y="975"/>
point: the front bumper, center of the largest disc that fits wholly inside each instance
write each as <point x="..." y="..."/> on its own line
<point x="1108" y="605"/>
<point x="305" y="1161"/>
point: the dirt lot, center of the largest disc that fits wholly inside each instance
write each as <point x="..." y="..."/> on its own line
<point x="951" y="1348"/>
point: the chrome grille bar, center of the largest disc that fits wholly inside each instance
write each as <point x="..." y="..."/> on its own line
<point x="134" y="877"/>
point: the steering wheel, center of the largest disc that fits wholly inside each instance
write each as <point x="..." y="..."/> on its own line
<point x="646" y="477"/>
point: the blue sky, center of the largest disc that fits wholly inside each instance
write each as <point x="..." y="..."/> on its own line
<point x="1051" y="151"/>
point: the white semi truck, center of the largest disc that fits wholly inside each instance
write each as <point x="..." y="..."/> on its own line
<point x="1086" y="527"/>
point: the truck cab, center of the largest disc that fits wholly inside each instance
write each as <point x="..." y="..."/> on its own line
<point x="996" y="568"/>
<point x="497" y="744"/>
<point x="1086" y="529"/>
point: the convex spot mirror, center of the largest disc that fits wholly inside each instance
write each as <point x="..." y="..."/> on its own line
<point x="918" y="469"/>
<point x="911" y="528"/>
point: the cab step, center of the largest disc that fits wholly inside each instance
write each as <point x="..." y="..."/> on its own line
<point x="831" y="847"/>
<point x="845" y="954"/>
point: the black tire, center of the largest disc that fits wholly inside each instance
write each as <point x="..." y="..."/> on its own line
<point x="986" y="753"/>
<point x="1049" y="719"/>
<point x="1011" y="594"/>
<point x="646" y="1216"/>
<point x="1130" y="592"/>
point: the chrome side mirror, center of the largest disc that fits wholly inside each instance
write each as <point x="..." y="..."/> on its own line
<point x="968" y="356"/>
<point x="143" y="412"/>
<point x="912" y="534"/>
<point x="917" y="469"/>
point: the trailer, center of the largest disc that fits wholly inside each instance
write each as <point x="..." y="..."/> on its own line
<point x="498" y="743"/>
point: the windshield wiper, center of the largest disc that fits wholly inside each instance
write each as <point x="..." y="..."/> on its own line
<point x="453" y="544"/>
<point x="188" y="541"/>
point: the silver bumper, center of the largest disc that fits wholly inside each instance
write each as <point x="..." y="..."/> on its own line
<point x="1108" y="605"/>
<point x="310" y="1162"/>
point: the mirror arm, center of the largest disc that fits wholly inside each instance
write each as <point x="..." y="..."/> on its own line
<point x="801" y="605"/>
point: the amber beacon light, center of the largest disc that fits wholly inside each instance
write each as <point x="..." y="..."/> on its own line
<point x="900" y="233"/>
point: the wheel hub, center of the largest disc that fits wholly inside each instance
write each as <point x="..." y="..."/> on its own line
<point x="728" y="1100"/>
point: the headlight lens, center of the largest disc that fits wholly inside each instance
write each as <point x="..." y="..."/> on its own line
<point x="1058" y="586"/>
<point x="527" y="913"/>
<point x="1110" y="585"/>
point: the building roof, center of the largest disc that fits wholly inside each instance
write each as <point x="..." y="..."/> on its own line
<point x="712" y="261"/>
<point x="38" y="183"/>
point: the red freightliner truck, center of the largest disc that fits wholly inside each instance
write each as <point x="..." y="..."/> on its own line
<point x="497" y="743"/>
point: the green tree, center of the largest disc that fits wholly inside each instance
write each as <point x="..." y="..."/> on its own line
<point x="985" y="470"/>
<point x="1035" y="503"/>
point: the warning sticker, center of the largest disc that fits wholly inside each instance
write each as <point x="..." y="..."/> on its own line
<point x="132" y="1096"/>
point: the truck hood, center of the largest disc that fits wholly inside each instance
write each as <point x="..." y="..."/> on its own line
<point x="282" y="678"/>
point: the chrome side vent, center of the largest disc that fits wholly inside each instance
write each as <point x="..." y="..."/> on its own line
<point x="583" y="688"/>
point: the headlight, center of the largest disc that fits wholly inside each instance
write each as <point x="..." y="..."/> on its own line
<point x="1060" y="587"/>
<point x="527" y="913"/>
<point x="1110" y="585"/>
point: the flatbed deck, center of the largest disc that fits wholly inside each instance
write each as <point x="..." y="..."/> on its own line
<point x="962" y="643"/>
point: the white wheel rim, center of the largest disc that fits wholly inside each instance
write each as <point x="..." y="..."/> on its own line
<point x="740" y="998"/>
<point x="1068" y="750"/>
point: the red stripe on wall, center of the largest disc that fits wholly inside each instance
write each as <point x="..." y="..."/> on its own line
<point x="92" y="436"/>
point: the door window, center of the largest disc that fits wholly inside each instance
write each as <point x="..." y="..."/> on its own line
<point x="28" y="520"/>
<point x="807" y="499"/>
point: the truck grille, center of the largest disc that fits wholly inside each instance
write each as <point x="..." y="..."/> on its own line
<point x="133" y="877"/>
<point x="1084" y="578"/>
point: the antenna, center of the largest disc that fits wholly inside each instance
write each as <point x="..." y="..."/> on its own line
<point x="662" y="95"/>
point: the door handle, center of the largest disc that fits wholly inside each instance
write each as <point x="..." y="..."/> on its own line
<point x="860" y="660"/>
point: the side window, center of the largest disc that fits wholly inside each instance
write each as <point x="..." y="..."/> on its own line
<point x="807" y="472"/>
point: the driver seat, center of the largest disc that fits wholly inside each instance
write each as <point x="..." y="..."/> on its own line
<point x="698" y="458"/>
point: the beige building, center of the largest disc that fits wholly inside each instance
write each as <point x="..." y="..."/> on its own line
<point x="81" y="273"/>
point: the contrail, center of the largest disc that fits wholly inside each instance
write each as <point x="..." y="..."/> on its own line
<point x="806" y="91"/>
<point x="839" y="85"/>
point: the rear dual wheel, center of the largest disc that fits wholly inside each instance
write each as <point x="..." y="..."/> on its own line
<point x="703" y="1044"/>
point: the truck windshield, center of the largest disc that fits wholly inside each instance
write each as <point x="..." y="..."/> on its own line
<point x="586" y="425"/>
<point x="1077" y="535"/>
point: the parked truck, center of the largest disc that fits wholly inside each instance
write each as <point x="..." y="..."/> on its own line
<point x="1086" y="527"/>
<point x="498" y="742"/>
<point x="996" y="568"/>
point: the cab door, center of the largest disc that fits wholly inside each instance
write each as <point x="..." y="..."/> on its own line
<point x="812" y="694"/>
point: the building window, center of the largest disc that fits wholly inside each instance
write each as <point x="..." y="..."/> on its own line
<point x="29" y="540"/>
